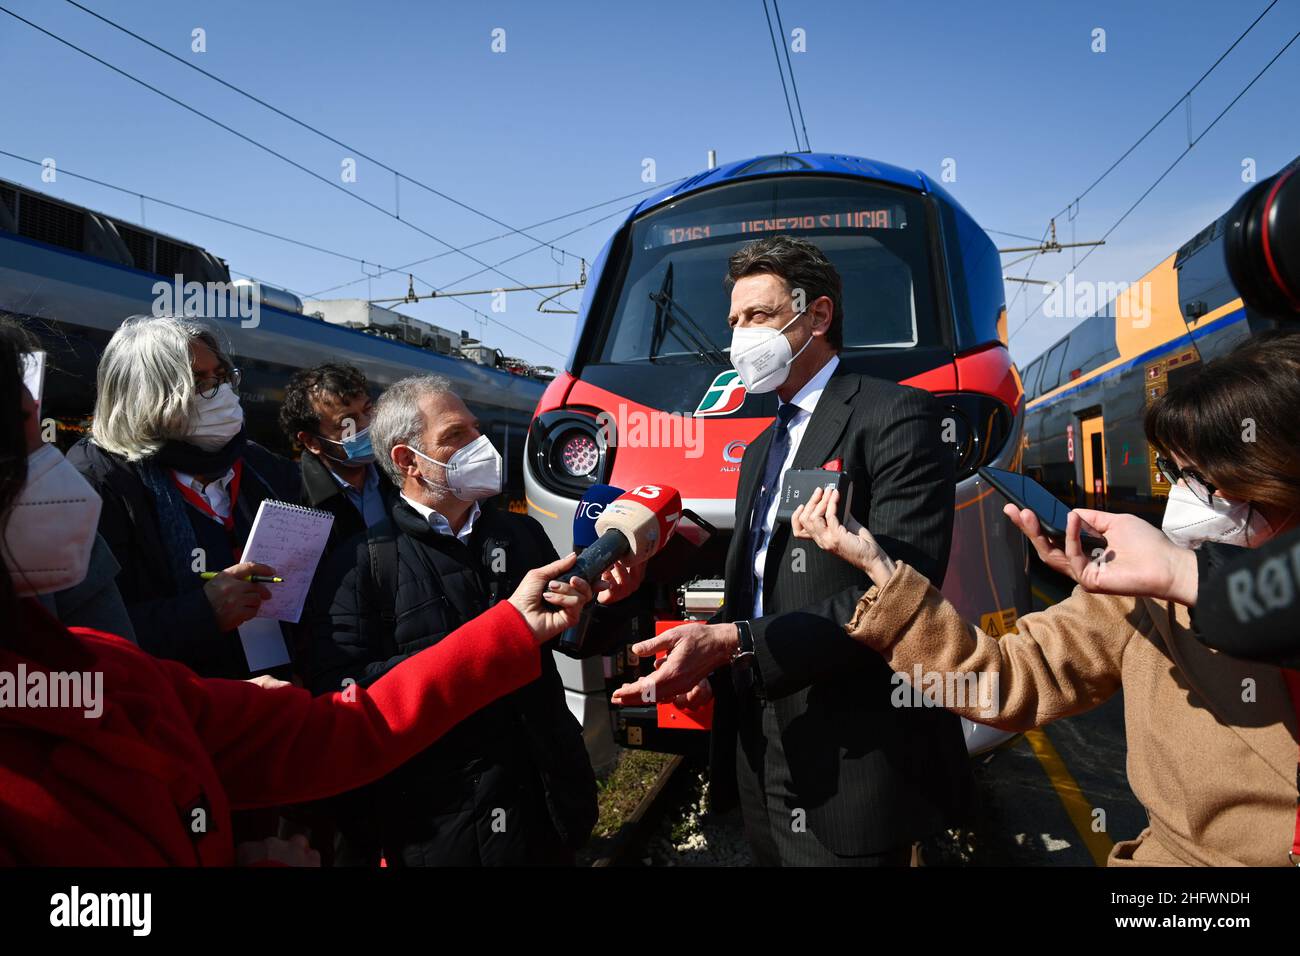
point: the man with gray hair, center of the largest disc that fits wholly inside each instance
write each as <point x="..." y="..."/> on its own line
<point x="512" y="784"/>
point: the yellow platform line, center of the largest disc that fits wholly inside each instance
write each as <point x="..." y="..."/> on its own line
<point x="1068" y="791"/>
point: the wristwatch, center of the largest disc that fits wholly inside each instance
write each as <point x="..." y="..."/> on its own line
<point x="743" y="655"/>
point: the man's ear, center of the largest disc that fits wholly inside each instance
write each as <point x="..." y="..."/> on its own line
<point x="308" y="442"/>
<point x="823" y="313"/>
<point x="404" y="459"/>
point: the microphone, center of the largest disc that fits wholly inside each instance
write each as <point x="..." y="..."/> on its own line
<point x="590" y="507"/>
<point x="632" y="527"/>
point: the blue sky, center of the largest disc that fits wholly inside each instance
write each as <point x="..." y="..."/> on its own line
<point x="563" y="119"/>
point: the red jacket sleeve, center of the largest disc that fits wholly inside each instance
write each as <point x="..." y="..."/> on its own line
<point x="281" y="745"/>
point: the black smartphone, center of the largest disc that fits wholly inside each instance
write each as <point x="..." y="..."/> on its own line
<point x="1023" y="492"/>
<point x="799" y="485"/>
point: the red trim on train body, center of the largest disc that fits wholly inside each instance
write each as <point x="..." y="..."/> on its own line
<point x="557" y="392"/>
<point x="942" y="378"/>
<point x="990" y="371"/>
<point x="701" y="456"/>
<point x="693" y="455"/>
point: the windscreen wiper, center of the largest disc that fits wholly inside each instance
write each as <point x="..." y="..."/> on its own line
<point x="687" y="331"/>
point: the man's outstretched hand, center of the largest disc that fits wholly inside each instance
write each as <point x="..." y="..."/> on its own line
<point x="695" y="650"/>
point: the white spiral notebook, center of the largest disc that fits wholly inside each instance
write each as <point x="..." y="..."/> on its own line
<point x="290" y="539"/>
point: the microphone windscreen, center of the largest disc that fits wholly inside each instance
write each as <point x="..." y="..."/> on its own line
<point x="590" y="507"/>
<point x="647" y="515"/>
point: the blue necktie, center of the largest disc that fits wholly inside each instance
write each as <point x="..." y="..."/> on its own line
<point x="776" y="454"/>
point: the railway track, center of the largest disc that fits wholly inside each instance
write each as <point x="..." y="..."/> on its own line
<point x="622" y="848"/>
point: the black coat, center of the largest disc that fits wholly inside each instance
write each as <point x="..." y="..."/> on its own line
<point x="871" y="777"/>
<point x="321" y="490"/>
<point x="523" y="756"/>
<point x="173" y="618"/>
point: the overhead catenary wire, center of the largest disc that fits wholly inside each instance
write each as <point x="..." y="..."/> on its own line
<point x="781" y="73"/>
<point x="318" y="131"/>
<point x="1184" y="97"/>
<point x="1181" y="99"/>
<point x="271" y="235"/>
<point x="536" y="225"/>
<point x="250" y="140"/>
<point x="1170" y="168"/>
<point x="63" y="171"/>
<point x="790" y="69"/>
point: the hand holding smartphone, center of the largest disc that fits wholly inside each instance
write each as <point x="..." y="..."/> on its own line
<point x="1052" y="513"/>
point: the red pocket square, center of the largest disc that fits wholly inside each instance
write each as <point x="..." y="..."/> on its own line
<point x="835" y="464"/>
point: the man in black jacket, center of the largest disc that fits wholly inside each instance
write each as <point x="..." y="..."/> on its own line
<point x="512" y="784"/>
<point x="828" y="771"/>
<point x="326" y="412"/>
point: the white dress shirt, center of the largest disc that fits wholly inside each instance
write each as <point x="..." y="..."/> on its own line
<point x="216" y="493"/>
<point x="806" y="399"/>
<point x="440" y="524"/>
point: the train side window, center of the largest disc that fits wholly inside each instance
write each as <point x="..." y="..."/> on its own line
<point x="1203" y="282"/>
<point x="1052" y="366"/>
<point x="1031" y="378"/>
<point x="1092" y="344"/>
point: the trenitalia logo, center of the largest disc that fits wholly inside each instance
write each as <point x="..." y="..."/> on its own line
<point x="725" y="395"/>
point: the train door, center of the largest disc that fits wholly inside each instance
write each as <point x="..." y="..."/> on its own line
<point x="1093" y="435"/>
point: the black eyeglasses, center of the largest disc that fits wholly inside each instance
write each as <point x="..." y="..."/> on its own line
<point x="208" y="387"/>
<point x="1195" y="482"/>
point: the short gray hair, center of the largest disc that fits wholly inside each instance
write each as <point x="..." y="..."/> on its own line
<point x="399" y="421"/>
<point x="146" y="385"/>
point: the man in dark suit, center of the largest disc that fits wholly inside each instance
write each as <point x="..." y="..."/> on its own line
<point x="827" y="771"/>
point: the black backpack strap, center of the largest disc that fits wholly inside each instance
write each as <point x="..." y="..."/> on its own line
<point x="381" y="540"/>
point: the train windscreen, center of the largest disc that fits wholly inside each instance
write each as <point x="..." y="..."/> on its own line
<point x="672" y="305"/>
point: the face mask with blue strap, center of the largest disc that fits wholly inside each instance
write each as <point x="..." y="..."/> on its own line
<point x="356" y="448"/>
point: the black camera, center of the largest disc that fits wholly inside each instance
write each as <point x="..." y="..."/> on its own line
<point x="1262" y="244"/>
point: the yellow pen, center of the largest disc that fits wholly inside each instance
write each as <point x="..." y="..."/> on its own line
<point x="252" y="578"/>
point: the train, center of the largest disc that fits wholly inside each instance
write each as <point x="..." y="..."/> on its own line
<point x="70" y="275"/>
<point x="924" y="305"/>
<point x="1087" y="393"/>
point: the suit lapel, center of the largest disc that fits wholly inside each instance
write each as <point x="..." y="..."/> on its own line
<point x="827" y="423"/>
<point x="751" y="470"/>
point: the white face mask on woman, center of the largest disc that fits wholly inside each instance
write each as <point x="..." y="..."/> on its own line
<point x="216" y="420"/>
<point x="1190" y="522"/>
<point x="51" y="529"/>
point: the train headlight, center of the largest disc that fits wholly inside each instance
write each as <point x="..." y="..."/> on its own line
<point x="568" y="451"/>
<point x="577" y="454"/>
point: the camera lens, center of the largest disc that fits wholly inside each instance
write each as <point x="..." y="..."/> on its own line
<point x="1262" y="244"/>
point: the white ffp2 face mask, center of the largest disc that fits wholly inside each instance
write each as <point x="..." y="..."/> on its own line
<point x="1190" y="522"/>
<point x="763" y="357"/>
<point x="216" y="420"/>
<point x="473" y="472"/>
<point x="51" y="529"/>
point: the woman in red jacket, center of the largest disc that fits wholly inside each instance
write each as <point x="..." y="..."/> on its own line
<point x="109" y="756"/>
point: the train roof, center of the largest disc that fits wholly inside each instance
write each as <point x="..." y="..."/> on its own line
<point x="836" y="164"/>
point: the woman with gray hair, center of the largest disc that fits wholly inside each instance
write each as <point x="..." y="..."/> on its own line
<point x="180" y="485"/>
